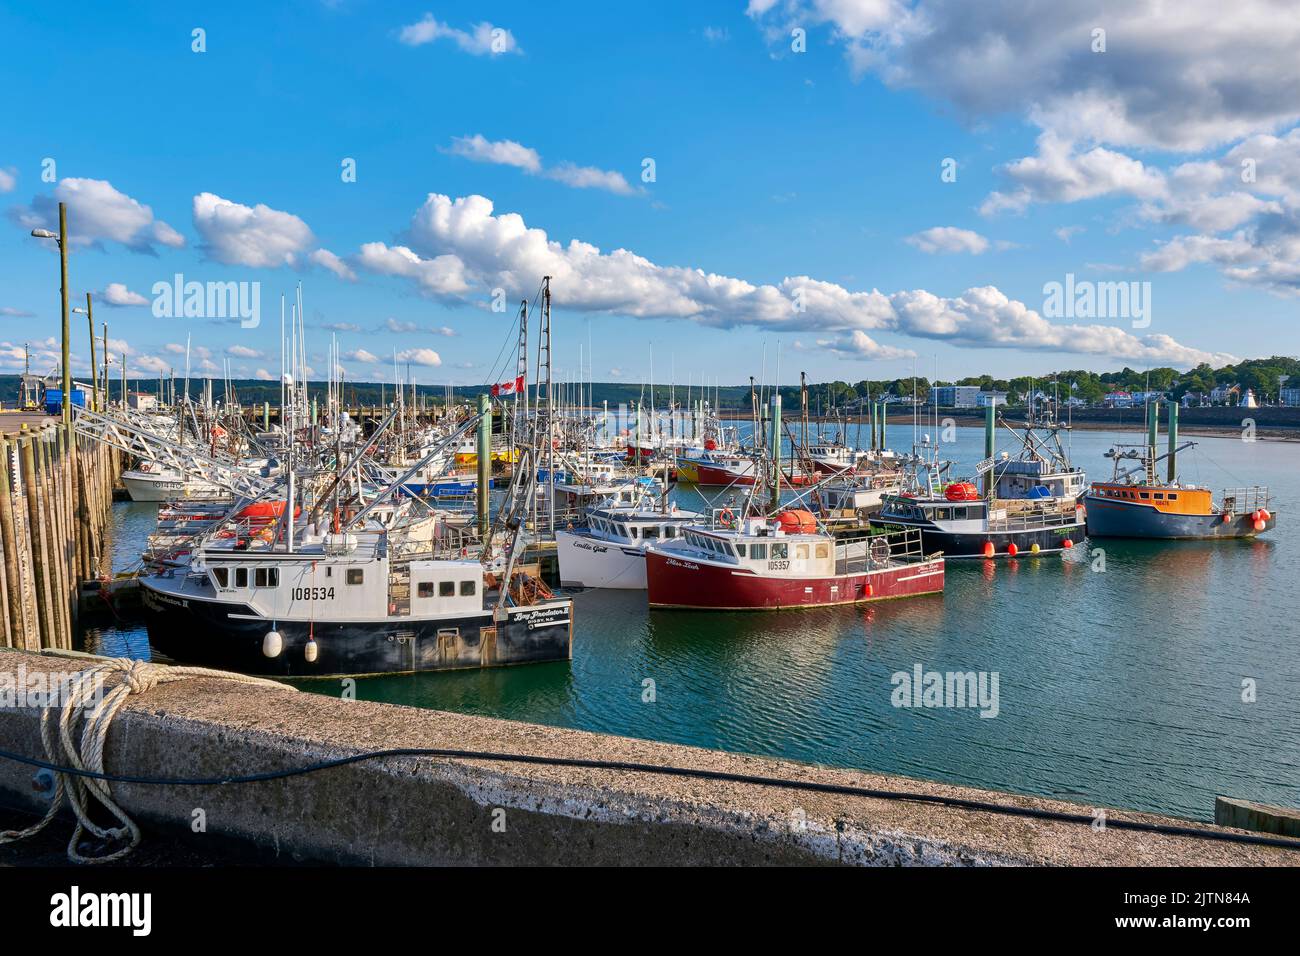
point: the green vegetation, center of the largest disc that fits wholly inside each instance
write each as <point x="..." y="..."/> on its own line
<point x="1264" y="376"/>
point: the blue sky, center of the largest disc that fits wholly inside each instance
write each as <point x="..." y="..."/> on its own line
<point x="806" y="182"/>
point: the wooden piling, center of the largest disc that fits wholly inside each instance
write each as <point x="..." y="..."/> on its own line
<point x="55" y="507"/>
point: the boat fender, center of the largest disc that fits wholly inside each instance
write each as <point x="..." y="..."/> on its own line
<point x="1227" y="516"/>
<point x="1012" y="550"/>
<point x="311" y="651"/>
<point x="1033" y="548"/>
<point x="1260" y="524"/>
<point x="272" y="644"/>
<point x="1264" y="515"/>
<point x="1067" y="544"/>
<point x="988" y="549"/>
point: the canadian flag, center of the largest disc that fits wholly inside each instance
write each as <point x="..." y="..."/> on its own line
<point x="512" y="387"/>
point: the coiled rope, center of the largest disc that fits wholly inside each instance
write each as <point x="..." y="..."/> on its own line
<point x="118" y="678"/>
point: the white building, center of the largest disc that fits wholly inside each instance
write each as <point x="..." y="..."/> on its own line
<point x="956" y="396"/>
<point x="987" y="399"/>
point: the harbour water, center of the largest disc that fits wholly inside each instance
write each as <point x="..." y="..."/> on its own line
<point x="1129" y="686"/>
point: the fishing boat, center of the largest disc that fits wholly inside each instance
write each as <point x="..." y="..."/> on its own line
<point x="760" y="563"/>
<point x="713" y="468"/>
<point x="609" y="551"/>
<point x="1135" y="503"/>
<point x="1030" y="503"/>
<point x="153" y="481"/>
<point x="344" y="604"/>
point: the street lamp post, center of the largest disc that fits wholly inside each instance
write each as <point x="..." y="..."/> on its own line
<point x="62" y="239"/>
<point x="94" y="372"/>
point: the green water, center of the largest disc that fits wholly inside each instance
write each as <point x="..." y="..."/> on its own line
<point x="1120" y="687"/>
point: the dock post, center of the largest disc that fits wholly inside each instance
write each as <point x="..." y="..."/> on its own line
<point x="484" y="461"/>
<point x="872" y="406"/>
<point x="1172" y="472"/>
<point x="990" y="426"/>
<point x="15" y="635"/>
<point x="1153" y="428"/>
<point x="266" y="416"/>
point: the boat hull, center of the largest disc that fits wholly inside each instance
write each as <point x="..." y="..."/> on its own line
<point x="675" y="582"/>
<point x="589" y="562"/>
<point x="971" y="544"/>
<point x="229" y="637"/>
<point x="156" y="488"/>
<point x="1108" y="518"/>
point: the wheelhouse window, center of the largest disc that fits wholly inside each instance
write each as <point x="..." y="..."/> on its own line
<point x="823" y="550"/>
<point x="424" y="589"/>
<point x="468" y="588"/>
<point x="758" y="551"/>
<point x="740" y="550"/>
<point x="780" y="551"/>
<point x="670" y="531"/>
<point x="266" y="577"/>
<point x="241" y="577"/>
<point x="801" y="552"/>
<point x="446" y="589"/>
<point x="356" y="575"/>
<point x="221" y="576"/>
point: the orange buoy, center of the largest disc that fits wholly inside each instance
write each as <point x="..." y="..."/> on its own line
<point x="871" y="590"/>
<point x="1260" y="525"/>
<point x="1264" y="515"/>
<point x="1012" y="550"/>
<point x="988" y="549"/>
<point x="797" y="521"/>
<point x="1067" y="544"/>
<point x="1227" y="516"/>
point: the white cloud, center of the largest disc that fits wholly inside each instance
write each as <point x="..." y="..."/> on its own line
<point x="858" y="345"/>
<point x="507" y="152"/>
<point x="461" y="246"/>
<point x="504" y="152"/>
<point x="419" y="357"/>
<point x="341" y="327"/>
<point x="327" y="260"/>
<point x="175" y="348"/>
<point x="8" y="179"/>
<point x="1183" y="79"/>
<point x="259" y="237"/>
<point x="243" y="351"/>
<point x="589" y="177"/>
<point x="117" y="294"/>
<point x="1061" y="173"/>
<point x="949" y="239"/>
<point x="8" y="311"/>
<point x="483" y="39"/>
<point x="264" y="376"/>
<point x="98" y="213"/>
<point x="361" y="355"/>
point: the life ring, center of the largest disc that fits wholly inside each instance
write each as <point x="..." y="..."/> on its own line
<point x="727" y="517"/>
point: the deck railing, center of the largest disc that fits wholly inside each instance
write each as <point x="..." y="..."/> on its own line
<point x="1244" y="500"/>
<point x="878" y="550"/>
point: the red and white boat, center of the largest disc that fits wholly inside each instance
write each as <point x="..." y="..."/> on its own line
<point x="738" y="470"/>
<point x="785" y="562"/>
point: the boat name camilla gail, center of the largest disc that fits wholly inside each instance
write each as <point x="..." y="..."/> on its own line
<point x="952" y="689"/>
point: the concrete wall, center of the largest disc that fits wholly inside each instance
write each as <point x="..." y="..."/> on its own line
<point x="427" y="811"/>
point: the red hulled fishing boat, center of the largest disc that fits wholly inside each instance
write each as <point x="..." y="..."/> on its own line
<point x="784" y="562"/>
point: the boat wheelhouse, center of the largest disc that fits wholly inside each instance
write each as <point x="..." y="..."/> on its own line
<point x="609" y="552"/>
<point x="786" y="562"/>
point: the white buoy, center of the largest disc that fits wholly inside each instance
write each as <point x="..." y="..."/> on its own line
<point x="272" y="644"/>
<point x="309" y="652"/>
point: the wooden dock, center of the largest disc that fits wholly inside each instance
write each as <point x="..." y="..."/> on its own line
<point x="54" y="511"/>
